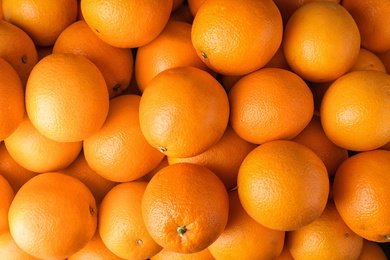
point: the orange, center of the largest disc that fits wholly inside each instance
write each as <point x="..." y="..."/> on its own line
<point x="165" y="254"/>
<point x="372" y="251"/>
<point x="228" y="81"/>
<point x="52" y="216"/>
<point x="66" y="97"/>
<point x="369" y="15"/>
<point x="176" y="4"/>
<point x="10" y="250"/>
<point x="11" y="100"/>
<point x="183" y="14"/>
<point x="278" y="60"/>
<point x="270" y="104"/>
<point x="18" y="49"/>
<point x="185" y="207"/>
<point x="314" y="137"/>
<point x="327" y="237"/>
<point x="321" y="41"/>
<point x="118" y="151"/>
<point x="98" y="185"/>
<point x="360" y="194"/>
<point x="121" y="225"/>
<point x="7" y="195"/>
<point x="183" y="111"/>
<point x="283" y="185"/>
<point x="166" y="51"/>
<point x="37" y="153"/>
<point x="224" y="158"/>
<point x="194" y="6"/>
<point x="43" y="21"/>
<point x="244" y="238"/>
<point x="149" y="175"/>
<point x="385" y="58"/>
<point x="115" y="64"/>
<point x="355" y="110"/>
<point x="367" y="60"/>
<point x="285" y="255"/>
<point x="126" y="24"/>
<point x="228" y="43"/>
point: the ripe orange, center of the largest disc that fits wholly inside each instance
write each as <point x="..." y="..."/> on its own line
<point x="66" y="97"/>
<point x="126" y="24"/>
<point x="149" y="175"/>
<point x="270" y="104"/>
<point x="321" y="41"/>
<point x="52" y="216"/>
<point x="166" y="51"/>
<point x="118" y="151"/>
<point x="115" y="64"/>
<point x="121" y="225"/>
<point x="228" y="43"/>
<point x="11" y="100"/>
<point x="278" y="60"/>
<point x="360" y="194"/>
<point x="367" y="60"/>
<point x="372" y="251"/>
<point x="10" y="250"/>
<point x="244" y="238"/>
<point x="183" y="111"/>
<point x="7" y="195"/>
<point x="327" y="237"/>
<point x="283" y="185"/>
<point x="185" y="207"/>
<point x="355" y="110"/>
<point x="194" y="6"/>
<point x="17" y="49"/>
<point x="165" y="254"/>
<point x="42" y="20"/>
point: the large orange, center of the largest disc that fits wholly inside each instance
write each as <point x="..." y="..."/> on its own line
<point x="52" y="216"/>
<point x="270" y="104"/>
<point x="372" y="251"/>
<point x="360" y="194"/>
<point x="355" y="110"/>
<point x="283" y="185"/>
<point x="244" y="238"/>
<point x="367" y="60"/>
<point x="321" y="41"/>
<point x="126" y="24"/>
<point x="183" y="111"/>
<point x="118" y="151"/>
<point x="66" y="97"/>
<point x="42" y="20"/>
<point x="185" y="207"/>
<point x="228" y="43"/>
<point x="10" y="250"/>
<point x="7" y="195"/>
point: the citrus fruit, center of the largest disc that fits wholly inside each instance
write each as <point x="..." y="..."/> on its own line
<point x="7" y="195"/>
<point x="372" y="251"/>
<point x="10" y="250"/>
<point x="165" y="254"/>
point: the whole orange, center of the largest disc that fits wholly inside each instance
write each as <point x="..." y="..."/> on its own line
<point x="372" y="251"/>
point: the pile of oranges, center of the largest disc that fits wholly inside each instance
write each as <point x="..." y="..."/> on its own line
<point x="194" y="129"/>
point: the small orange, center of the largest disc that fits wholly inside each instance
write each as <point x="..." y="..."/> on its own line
<point x="165" y="254"/>
<point x="10" y="250"/>
<point x="121" y="225"/>
<point x="66" y="97"/>
<point x="321" y="41"/>
<point x="52" y="216"/>
<point x="244" y="238"/>
<point x="183" y="111"/>
<point x="283" y="185"/>
<point x="360" y="194"/>
<point x="228" y="43"/>
<point x="185" y="207"/>
<point x="270" y="104"/>
<point x="355" y="110"/>
<point x="7" y="195"/>
<point x="126" y="24"/>
<point x="372" y="251"/>
<point x="118" y="151"/>
<point x="194" y="6"/>
<point x="327" y="237"/>
<point x="367" y="60"/>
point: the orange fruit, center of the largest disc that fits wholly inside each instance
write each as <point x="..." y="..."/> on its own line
<point x="194" y="5"/>
<point x="327" y="237"/>
<point x="176" y="4"/>
<point x="149" y="175"/>
<point x="372" y="251"/>
<point x="369" y="15"/>
<point x="10" y="250"/>
<point x="66" y="97"/>
<point x="121" y="225"/>
<point x="183" y="14"/>
<point x="270" y="104"/>
<point x="278" y="60"/>
<point x="367" y="60"/>
<point x="359" y="192"/>
<point x="166" y="51"/>
<point x="314" y="137"/>
<point x="283" y="185"/>
<point x="185" y="207"/>
<point x="126" y="24"/>
<point x="43" y="21"/>
<point x="244" y="238"/>
<point x="355" y="109"/>
<point x="11" y="100"/>
<point x="98" y="185"/>
<point x="37" y="153"/>
<point x="321" y="41"/>
<point x="115" y="64"/>
<point x="17" y="49"/>
<point x="285" y="255"/>
<point x="183" y="111"/>
<point x="165" y="254"/>
<point x="52" y="216"/>
<point x="7" y="195"/>
<point x="224" y="158"/>
<point x="228" y="43"/>
<point x="118" y="151"/>
<point x="385" y="58"/>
